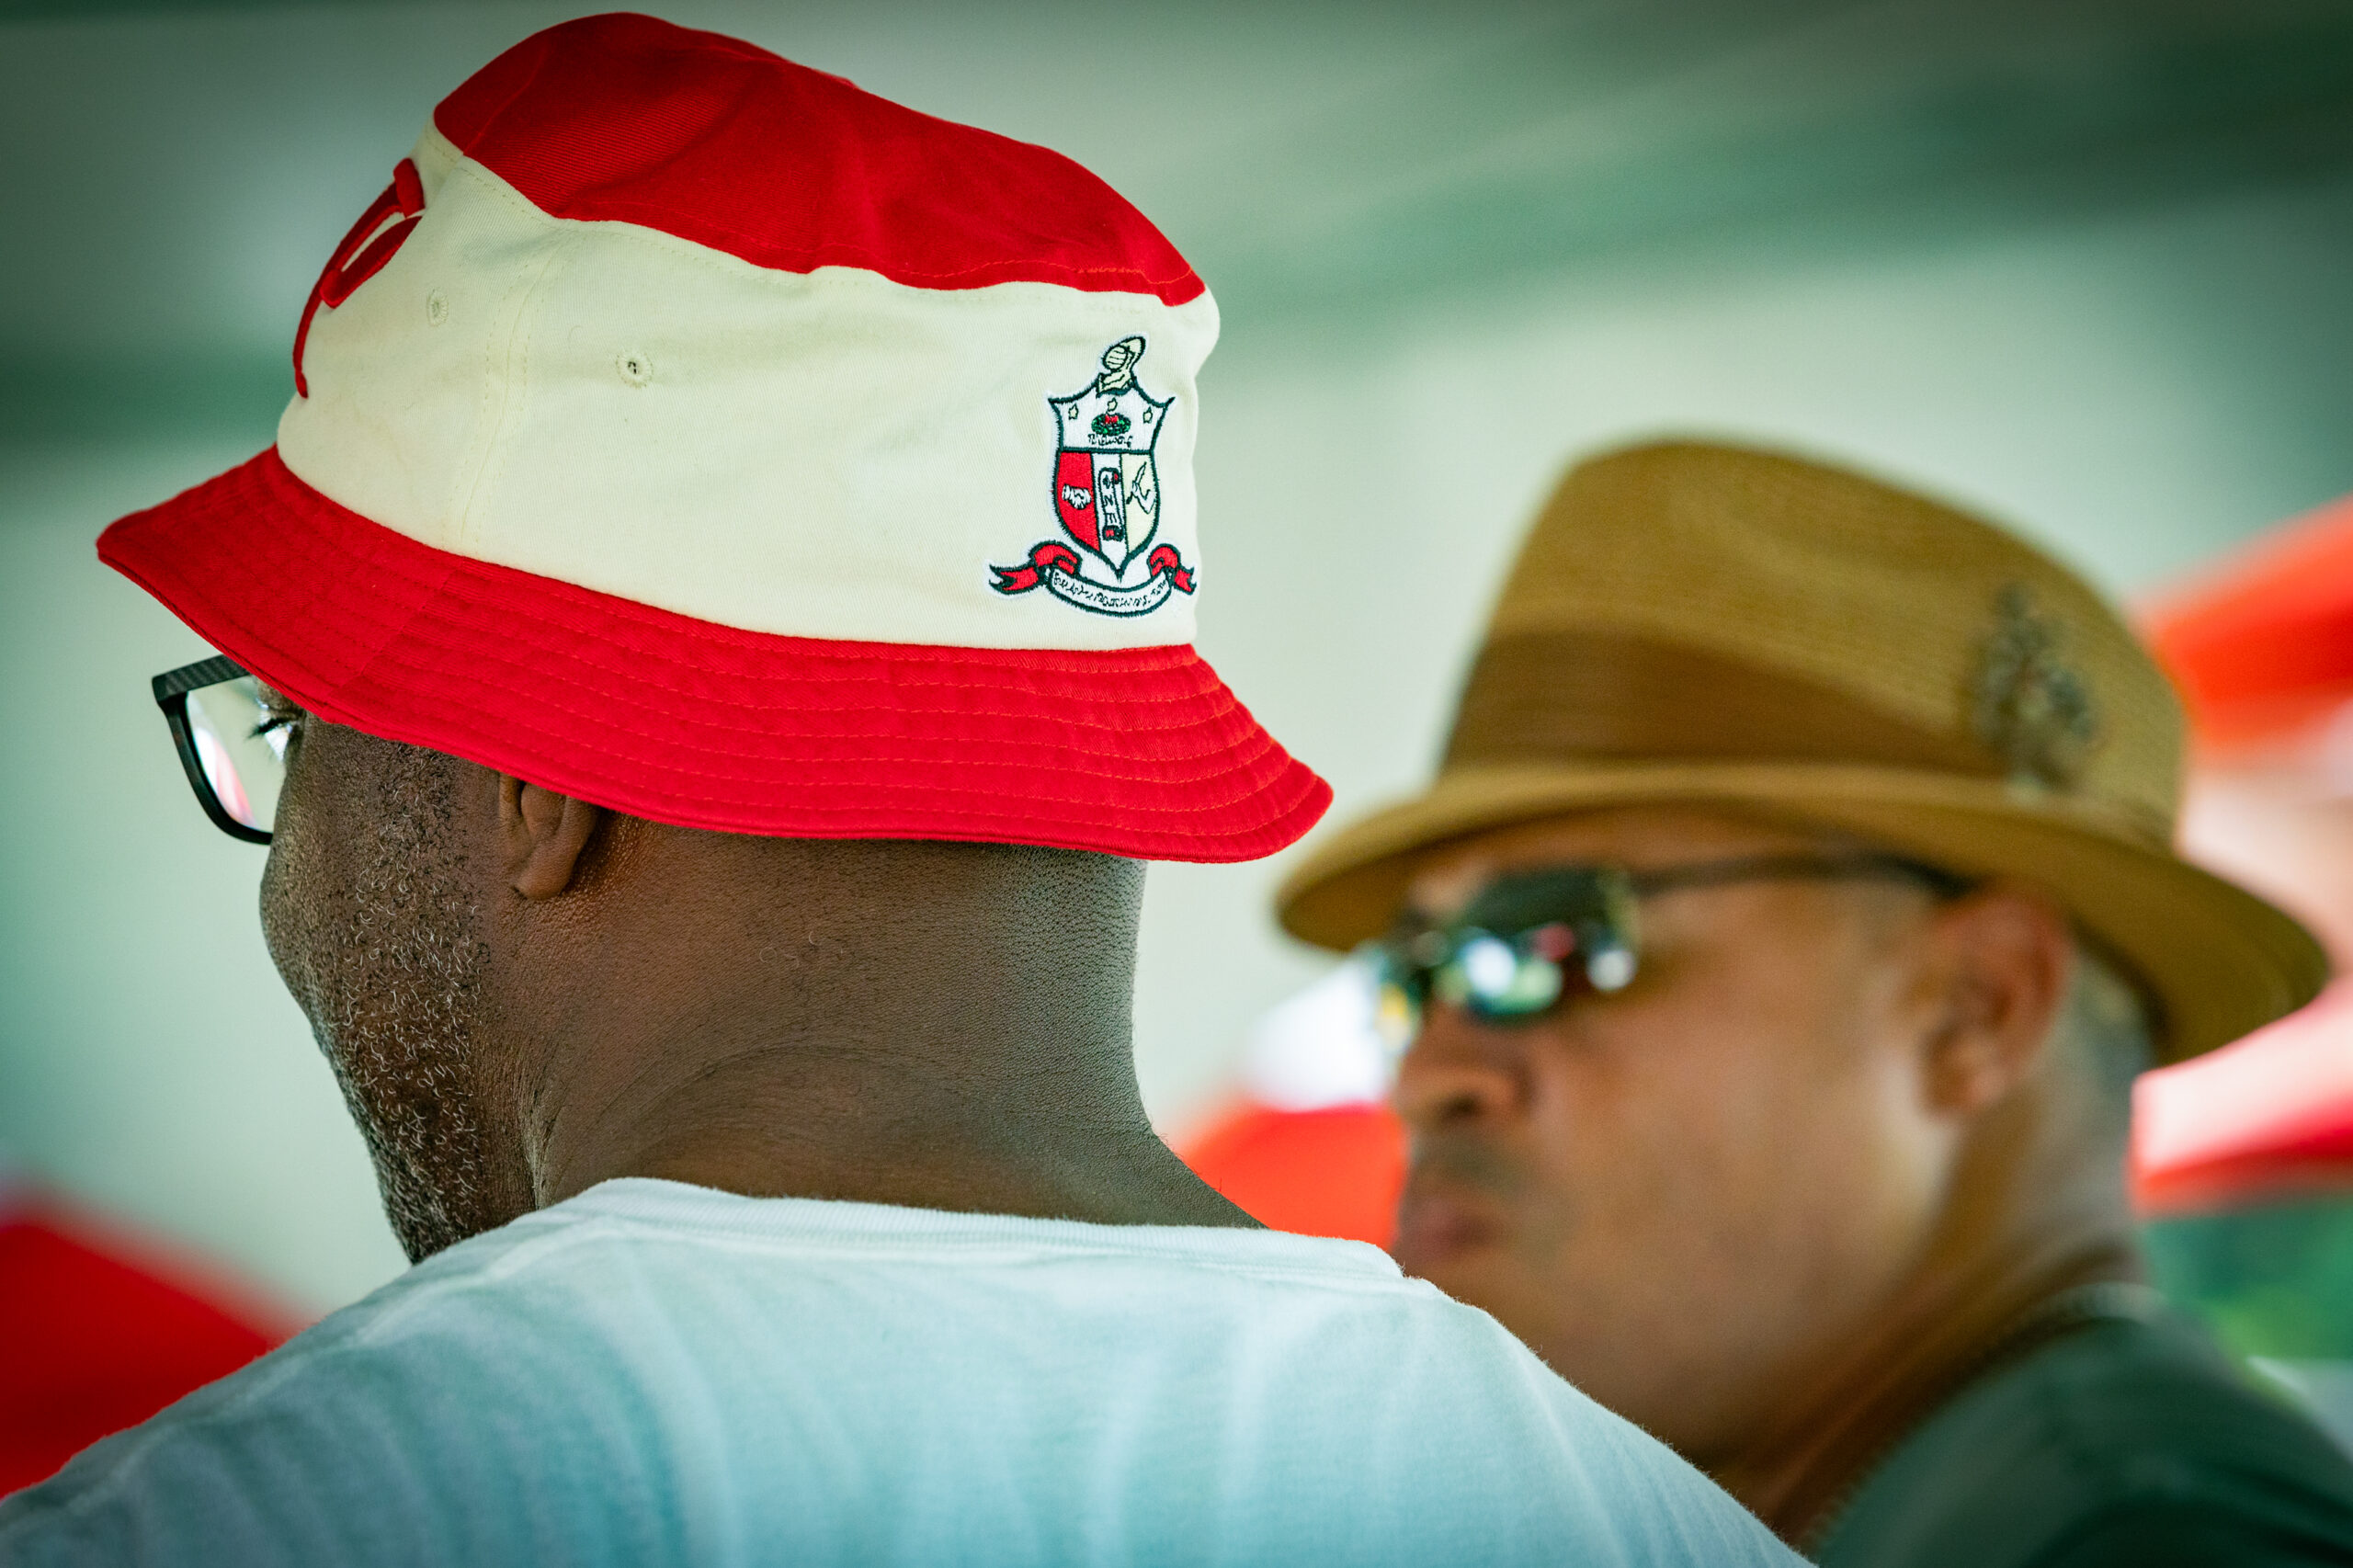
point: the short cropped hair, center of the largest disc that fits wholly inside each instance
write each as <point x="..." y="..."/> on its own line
<point x="2104" y="1034"/>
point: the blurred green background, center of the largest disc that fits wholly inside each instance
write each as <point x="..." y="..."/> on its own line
<point x="2274" y="1279"/>
<point x="2082" y="265"/>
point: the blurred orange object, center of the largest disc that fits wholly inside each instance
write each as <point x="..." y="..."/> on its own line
<point x="2263" y="643"/>
<point x="1334" y="1171"/>
<point x="1307" y="1143"/>
<point x="2261" y="647"/>
<point x="100" y="1333"/>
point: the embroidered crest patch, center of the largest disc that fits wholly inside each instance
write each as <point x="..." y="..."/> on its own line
<point x="1105" y="493"/>
<point x="2032" y="708"/>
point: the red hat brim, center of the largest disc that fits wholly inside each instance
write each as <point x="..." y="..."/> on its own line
<point x="1137" y="752"/>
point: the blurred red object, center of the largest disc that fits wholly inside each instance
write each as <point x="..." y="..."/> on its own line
<point x="2261" y="647"/>
<point x="1307" y="1144"/>
<point x="101" y="1332"/>
<point x="2263" y="643"/>
<point x="2265" y="1117"/>
<point x="1334" y="1171"/>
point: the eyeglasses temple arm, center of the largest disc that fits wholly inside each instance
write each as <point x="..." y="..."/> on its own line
<point x="187" y="677"/>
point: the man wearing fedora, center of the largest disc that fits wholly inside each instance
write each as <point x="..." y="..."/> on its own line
<point x="1777" y="947"/>
<point x="715" y="883"/>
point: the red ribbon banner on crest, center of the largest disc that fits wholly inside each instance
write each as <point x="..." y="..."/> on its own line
<point x="1049" y="556"/>
<point x="1044" y="558"/>
<point x="1167" y="560"/>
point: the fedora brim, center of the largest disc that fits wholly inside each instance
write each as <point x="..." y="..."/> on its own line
<point x="2218" y="961"/>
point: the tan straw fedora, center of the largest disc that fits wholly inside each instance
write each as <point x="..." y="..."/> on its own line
<point x="1709" y="625"/>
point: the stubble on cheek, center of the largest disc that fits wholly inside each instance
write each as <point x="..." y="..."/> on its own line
<point x="372" y="919"/>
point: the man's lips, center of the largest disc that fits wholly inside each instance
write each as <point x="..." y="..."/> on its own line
<point x="1440" y="1219"/>
<point x="1459" y="1195"/>
<point x="1431" y="1228"/>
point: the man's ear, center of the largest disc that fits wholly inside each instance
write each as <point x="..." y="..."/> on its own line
<point x="2007" y="958"/>
<point x="544" y="834"/>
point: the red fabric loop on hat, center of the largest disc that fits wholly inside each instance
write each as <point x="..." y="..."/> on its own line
<point x="344" y="271"/>
<point x="1139" y="752"/>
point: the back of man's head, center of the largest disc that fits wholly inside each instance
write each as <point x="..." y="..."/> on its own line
<point x="721" y="596"/>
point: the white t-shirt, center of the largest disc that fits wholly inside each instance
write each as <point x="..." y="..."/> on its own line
<point x="654" y="1373"/>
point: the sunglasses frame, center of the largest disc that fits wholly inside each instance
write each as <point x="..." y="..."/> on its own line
<point x="172" y="689"/>
<point x="1412" y="963"/>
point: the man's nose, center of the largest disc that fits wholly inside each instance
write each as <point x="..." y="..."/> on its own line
<point x="1459" y="1070"/>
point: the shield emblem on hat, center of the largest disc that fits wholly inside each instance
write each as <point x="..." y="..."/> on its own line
<point x="1106" y="491"/>
<point x="1107" y="497"/>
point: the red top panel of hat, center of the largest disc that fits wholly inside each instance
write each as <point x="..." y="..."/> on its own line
<point x="632" y="120"/>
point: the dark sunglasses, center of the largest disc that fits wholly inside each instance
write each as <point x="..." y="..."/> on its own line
<point x="1528" y="941"/>
<point x="231" y="742"/>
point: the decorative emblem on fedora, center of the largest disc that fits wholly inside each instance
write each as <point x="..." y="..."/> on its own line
<point x="1106" y="493"/>
<point x="2031" y="707"/>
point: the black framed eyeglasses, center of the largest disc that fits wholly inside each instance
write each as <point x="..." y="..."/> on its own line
<point x="232" y="742"/>
<point x="1528" y="941"/>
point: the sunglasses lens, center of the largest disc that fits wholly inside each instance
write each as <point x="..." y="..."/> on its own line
<point x="1488" y="966"/>
<point x="1610" y="969"/>
<point x="1495" y="979"/>
<point x="1524" y="943"/>
<point x="1395" y="1017"/>
<point x="1397" y="987"/>
<point x="244" y="756"/>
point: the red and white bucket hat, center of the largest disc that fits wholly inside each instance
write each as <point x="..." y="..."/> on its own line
<point x="695" y="433"/>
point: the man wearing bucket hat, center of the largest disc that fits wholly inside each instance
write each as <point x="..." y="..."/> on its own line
<point x="1793" y="906"/>
<point x="707" y="652"/>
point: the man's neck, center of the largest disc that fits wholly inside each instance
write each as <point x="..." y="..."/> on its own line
<point x="830" y="1129"/>
<point x="2023" y="1226"/>
<point x="939" y="1026"/>
<point x="921" y="1024"/>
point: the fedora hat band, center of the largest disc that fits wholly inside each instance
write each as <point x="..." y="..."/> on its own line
<point x="1537" y="696"/>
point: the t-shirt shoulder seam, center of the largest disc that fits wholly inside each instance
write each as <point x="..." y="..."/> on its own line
<point x="933" y="1246"/>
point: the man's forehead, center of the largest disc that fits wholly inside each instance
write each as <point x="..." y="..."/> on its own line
<point x="1446" y="877"/>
